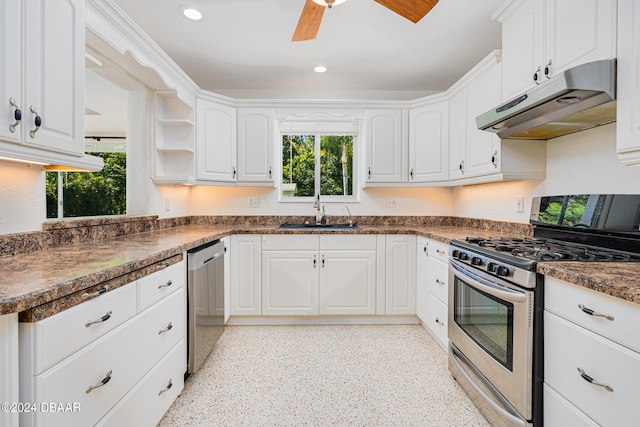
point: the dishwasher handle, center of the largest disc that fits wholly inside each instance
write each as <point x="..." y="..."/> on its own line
<point x="198" y="258"/>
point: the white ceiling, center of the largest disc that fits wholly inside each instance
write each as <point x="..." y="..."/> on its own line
<point x="243" y="48"/>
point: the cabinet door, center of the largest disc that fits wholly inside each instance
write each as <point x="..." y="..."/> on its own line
<point x="577" y="32"/>
<point x="215" y="142"/>
<point x="385" y="151"/>
<point x="54" y="75"/>
<point x="457" y="134"/>
<point x="347" y="282"/>
<point x="10" y="68"/>
<point x="628" y="93"/>
<point x="400" y="274"/>
<point x="422" y="290"/>
<point x="483" y="93"/>
<point x="289" y="283"/>
<point x="428" y="143"/>
<point x="245" y="257"/>
<point x="522" y="49"/>
<point x="255" y="144"/>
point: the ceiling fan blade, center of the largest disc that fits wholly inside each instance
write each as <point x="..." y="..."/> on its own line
<point x="309" y="22"/>
<point x="413" y="10"/>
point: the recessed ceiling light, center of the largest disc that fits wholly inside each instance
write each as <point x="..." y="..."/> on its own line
<point x="190" y="13"/>
<point x="320" y="69"/>
<point x="329" y="3"/>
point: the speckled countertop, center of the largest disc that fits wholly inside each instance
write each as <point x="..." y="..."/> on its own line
<point x="36" y="278"/>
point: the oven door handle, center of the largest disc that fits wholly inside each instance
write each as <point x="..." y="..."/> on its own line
<point x="486" y="286"/>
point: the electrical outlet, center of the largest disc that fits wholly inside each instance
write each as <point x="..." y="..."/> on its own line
<point x="392" y="203"/>
<point x="254" y="202"/>
<point x="519" y="204"/>
<point x="167" y="204"/>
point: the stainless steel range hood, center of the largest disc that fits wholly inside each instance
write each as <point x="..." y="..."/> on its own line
<point x="580" y="98"/>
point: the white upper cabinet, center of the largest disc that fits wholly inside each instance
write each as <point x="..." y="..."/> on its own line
<point x="628" y="116"/>
<point x="429" y="143"/>
<point x="215" y="141"/>
<point x="42" y="82"/>
<point x="255" y="144"/>
<point x="541" y="38"/>
<point x="385" y="145"/>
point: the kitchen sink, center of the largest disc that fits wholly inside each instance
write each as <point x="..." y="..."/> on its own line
<point x="320" y="226"/>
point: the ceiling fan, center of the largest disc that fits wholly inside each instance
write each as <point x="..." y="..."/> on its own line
<point x="309" y="23"/>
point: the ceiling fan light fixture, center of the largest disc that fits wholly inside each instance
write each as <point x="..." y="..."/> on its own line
<point x="329" y="3"/>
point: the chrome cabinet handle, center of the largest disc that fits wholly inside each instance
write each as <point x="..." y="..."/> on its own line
<point x="494" y="159"/>
<point x="17" y="115"/>
<point x="322" y="260"/>
<point x="37" y="122"/>
<point x="547" y="70"/>
<point x="535" y="76"/>
<point x="439" y="322"/>
<point x="440" y="251"/>
<point x="440" y="282"/>
<point x="167" y="329"/>
<point x="411" y="173"/>
<point x="169" y="283"/>
<point x="369" y="172"/>
<point x="587" y="378"/>
<point x="100" y="320"/>
<point x="100" y="291"/>
<point x="162" y="266"/>
<point x="101" y="383"/>
<point x="593" y="313"/>
<point x="233" y="172"/>
<point x="462" y="166"/>
<point x="425" y="250"/>
<point x="315" y="261"/>
<point x="270" y="172"/>
<point x="167" y="388"/>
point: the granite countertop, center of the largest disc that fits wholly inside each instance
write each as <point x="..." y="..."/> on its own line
<point x="36" y="278"/>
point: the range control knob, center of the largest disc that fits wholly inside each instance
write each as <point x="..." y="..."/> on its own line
<point x="455" y="253"/>
<point x="477" y="261"/>
<point x="492" y="267"/>
<point x="503" y="271"/>
<point x="463" y="256"/>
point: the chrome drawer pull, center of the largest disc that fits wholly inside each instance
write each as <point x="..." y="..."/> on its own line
<point x="162" y="266"/>
<point x="439" y="322"/>
<point x="593" y="313"/>
<point x="37" y="122"/>
<point x="101" y="383"/>
<point x="17" y="115"/>
<point x="169" y="283"/>
<point x="587" y="378"/>
<point x="100" y="291"/>
<point x="102" y="319"/>
<point x="441" y="252"/>
<point x="167" y="388"/>
<point x="440" y="282"/>
<point x="167" y="329"/>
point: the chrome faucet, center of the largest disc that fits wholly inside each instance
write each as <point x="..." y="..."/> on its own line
<point x="349" y="220"/>
<point x="321" y="216"/>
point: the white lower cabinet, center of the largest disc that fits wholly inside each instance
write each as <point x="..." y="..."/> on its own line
<point x="109" y="367"/>
<point x="584" y="352"/>
<point x="290" y="283"/>
<point x="9" y="362"/>
<point x="432" y="287"/>
<point x="400" y="259"/>
<point x="244" y="257"/>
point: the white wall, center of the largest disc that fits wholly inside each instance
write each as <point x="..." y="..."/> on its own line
<point x="234" y="201"/>
<point x="23" y="204"/>
<point x="584" y="162"/>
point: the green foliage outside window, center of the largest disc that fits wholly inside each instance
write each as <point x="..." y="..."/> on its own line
<point x="335" y="166"/>
<point x="91" y="193"/>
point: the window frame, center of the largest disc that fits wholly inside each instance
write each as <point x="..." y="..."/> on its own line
<point x="353" y="198"/>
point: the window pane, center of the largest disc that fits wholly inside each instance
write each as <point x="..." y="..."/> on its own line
<point x="298" y="165"/>
<point x="336" y="165"/>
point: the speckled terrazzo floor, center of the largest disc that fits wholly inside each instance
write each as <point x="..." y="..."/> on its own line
<point x="325" y="375"/>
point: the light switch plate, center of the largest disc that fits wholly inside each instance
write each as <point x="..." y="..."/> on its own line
<point x="392" y="203"/>
<point x="519" y="204"/>
<point x="254" y="202"/>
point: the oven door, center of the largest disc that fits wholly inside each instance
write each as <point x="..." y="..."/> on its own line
<point x="491" y="324"/>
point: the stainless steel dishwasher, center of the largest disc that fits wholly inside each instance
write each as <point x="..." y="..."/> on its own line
<point x="205" y="301"/>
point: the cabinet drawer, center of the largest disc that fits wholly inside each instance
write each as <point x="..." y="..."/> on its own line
<point x="558" y="412"/>
<point x="437" y="319"/>
<point x="286" y="242"/>
<point x="158" y="285"/>
<point x="437" y="277"/>
<point x="60" y="335"/>
<point x="563" y="298"/>
<point x="438" y="250"/>
<point x="569" y="347"/>
<point x="127" y="352"/>
<point x="347" y="242"/>
<point x="146" y="404"/>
